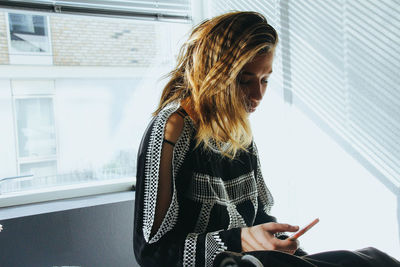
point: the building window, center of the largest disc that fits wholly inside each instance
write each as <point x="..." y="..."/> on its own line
<point x="35" y="135"/>
<point x="29" y="39"/>
<point x="28" y="33"/>
<point x="37" y="153"/>
<point x="35" y="127"/>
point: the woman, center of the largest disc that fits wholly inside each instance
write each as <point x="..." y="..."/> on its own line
<point x="199" y="188"/>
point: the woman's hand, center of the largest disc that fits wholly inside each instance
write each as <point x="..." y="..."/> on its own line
<point x="261" y="237"/>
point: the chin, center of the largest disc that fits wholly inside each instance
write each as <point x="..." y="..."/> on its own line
<point x="251" y="110"/>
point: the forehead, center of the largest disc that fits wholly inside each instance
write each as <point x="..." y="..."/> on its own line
<point x="260" y="64"/>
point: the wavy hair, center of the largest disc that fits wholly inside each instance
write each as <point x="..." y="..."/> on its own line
<point x="207" y="72"/>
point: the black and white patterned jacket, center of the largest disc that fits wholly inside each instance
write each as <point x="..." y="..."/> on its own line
<point x="213" y="197"/>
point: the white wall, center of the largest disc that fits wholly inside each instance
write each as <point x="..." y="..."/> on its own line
<point x="311" y="176"/>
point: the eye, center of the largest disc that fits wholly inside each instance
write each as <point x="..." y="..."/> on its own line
<point x="244" y="82"/>
<point x="265" y="81"/>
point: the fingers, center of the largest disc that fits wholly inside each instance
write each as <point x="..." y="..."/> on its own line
<point x="260" y="238"/>
<point x="289" y="246"/>
<point x="280" y="227"/>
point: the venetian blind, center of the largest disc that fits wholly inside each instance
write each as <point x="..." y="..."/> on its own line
<point x="340" y="63"/>
<point x="147" y="9"/>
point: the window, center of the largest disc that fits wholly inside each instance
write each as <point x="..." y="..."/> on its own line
<point x="35" y="132"/>
<point x="29" y="39"/>
<point x="76" y="123"/>
<point x="28" y="33"/>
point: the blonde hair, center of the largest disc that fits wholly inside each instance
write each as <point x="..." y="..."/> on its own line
<point x="207" y="73"/>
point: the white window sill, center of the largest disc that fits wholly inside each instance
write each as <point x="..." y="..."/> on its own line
<point x="31" y="59"/>
<point x="52" y="199"/>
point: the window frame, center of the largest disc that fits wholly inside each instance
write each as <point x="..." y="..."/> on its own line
<point x="54" y="193"/>
<point x="29" y="58"/>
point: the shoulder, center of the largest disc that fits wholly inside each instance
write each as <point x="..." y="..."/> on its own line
<point x="174" y="127"/>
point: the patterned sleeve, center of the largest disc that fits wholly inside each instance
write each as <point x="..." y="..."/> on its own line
<point x="265" y="199"/>
<point x="169" y="246"/>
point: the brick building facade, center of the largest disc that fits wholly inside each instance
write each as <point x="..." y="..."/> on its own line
<point x="91" y="41"/>
<point x="3" y="39"/>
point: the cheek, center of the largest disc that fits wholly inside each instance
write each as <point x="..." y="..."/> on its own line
<point x="256" y="91"/>
<point x="246" y="90"/>
<point x="264" y="90"/>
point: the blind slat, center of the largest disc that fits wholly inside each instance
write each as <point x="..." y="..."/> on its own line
<point x="164" y="9"/>
<point x="340" y="62"/>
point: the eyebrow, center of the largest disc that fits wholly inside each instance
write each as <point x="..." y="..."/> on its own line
<point x="251" y="73"/>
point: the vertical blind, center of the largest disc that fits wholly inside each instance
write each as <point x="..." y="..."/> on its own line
<point x="161" y="9"/>
<point x="340" y="63"/>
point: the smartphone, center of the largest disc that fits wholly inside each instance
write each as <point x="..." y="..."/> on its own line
<point x="303" y="230"/>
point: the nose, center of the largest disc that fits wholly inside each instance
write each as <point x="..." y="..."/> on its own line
<point x="256" y="92"/>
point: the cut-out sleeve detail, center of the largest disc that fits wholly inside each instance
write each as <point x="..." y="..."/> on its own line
<point x="152" y="175"/>
<point x="168" y="245"/>
<point x="181" y="112"/>
<point x="168" y="142"/>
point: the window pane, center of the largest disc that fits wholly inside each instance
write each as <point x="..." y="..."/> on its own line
<point x="39" y="169"/>
<point x="28" y="33"/>
<point x="35" y="124"/>
<point x="32" y="176"/>
<point x="97" y="120"/>
<point x="81" y="119"/>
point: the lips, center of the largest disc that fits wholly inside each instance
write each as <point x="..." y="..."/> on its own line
<point x="251" y="106"/>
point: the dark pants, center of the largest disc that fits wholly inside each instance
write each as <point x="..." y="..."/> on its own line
<point x="365" y="257"/>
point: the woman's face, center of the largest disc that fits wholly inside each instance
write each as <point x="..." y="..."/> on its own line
<point x="254" y="79"/>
